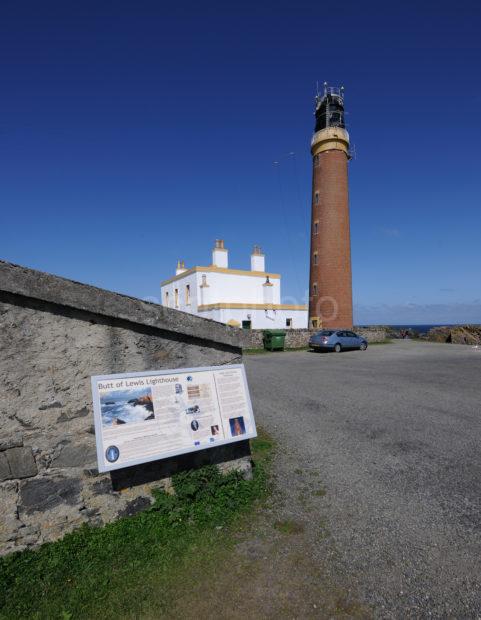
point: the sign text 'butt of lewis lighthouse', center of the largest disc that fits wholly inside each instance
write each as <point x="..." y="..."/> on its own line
<point x="330" y="295"/>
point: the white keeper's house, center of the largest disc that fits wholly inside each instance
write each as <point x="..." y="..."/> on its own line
<point x="241" y="298"/>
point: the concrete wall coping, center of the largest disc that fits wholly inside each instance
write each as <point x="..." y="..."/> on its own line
<point x="50" y="288"/>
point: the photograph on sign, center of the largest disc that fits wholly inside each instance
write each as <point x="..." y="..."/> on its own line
<point x="142" y="417"/>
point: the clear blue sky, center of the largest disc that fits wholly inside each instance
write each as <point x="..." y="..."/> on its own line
<point x="135" y="133"/>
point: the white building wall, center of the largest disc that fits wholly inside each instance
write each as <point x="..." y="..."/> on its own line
<point x="180" y="285"/>
<point x="233" y="287"/>
<point x="221" y="288"/>
<point x="236" y="288"/>
<point x="261" y="319"/>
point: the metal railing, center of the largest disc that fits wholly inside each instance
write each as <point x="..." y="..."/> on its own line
<point x="334" y="90"/>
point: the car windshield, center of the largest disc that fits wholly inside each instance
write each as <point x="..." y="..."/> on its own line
<point x="326" y="332"/>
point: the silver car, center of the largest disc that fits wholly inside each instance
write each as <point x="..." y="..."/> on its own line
<point x="336" y="340"/>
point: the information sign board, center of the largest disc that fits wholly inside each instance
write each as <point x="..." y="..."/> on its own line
<point x="142" y="417"/>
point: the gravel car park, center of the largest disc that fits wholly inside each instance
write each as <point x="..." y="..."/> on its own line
<point x="394" y="441"/>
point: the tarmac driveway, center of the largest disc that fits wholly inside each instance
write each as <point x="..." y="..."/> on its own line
<point x="394" y="434"/>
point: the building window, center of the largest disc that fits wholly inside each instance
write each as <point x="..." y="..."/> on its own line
<point x="176" y="297"/>
<point x="288" y="322"/>
<point x="314" y="289"/>
<point x="167" y="298"/>
<point x="246" y="324"/>
<point x="314" y="323"/>
<point x="316" y="228"/>
<point x="316" y="198"/>
<point x="315" y="258"/>
<point x="187" y="294"/>
<point x="204" y="279"/>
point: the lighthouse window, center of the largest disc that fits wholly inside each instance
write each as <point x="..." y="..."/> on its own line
<point x="314" y="289"/>
<point x="316" y="198"/>
<point x="316" y="228"/>
<point x="315" y="258"/>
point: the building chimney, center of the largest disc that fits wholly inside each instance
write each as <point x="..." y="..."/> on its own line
<point x="220" y="256"/>
<point x="258" y="261"/>
<point x="180" y="267"/>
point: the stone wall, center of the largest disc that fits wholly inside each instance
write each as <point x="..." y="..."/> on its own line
<point x="295" y="338"/>
<point x="299" y="338"/>
<point x="372" y="333"/>
<point x="55" y="334"/>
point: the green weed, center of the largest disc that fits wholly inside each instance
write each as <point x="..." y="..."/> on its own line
<point x="134" y="563"/>
<point x="289" y="526"/>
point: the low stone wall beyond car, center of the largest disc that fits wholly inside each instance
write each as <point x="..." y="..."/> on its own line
<point x="299" y="338"/>
<point x="372" y="333"/>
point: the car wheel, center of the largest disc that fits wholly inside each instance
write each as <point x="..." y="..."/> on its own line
<point x="363" y="346"/>
<point x="337" y="348"/>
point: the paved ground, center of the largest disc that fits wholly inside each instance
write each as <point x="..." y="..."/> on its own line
<point x="379" y="465"/>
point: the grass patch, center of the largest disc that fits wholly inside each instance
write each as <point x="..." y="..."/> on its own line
<point x="255" y="351"/>
<point x="385" y="341"/>
<point x="262" y="351"/>
<point x="132" y="567"/>
<point x="289" y="527"/>
<point x="319" y="493"/>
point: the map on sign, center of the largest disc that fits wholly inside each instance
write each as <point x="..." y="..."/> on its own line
<point x="141" y="417"/>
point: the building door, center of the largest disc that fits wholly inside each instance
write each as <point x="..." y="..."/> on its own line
<point x="246" y="324"/>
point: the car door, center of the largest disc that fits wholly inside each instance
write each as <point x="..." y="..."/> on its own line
<point x="353" y="340"/>
<point x="343" y="340"/>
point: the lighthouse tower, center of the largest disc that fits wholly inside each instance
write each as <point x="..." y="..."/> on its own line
<point x="330" y="295"/>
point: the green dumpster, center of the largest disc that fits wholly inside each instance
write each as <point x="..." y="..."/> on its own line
<point x="274" y="339"/>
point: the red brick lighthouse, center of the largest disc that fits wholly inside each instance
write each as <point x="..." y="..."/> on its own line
<point x="330" y="295"/>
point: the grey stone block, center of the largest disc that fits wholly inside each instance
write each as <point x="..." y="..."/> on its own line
<point x="14" y="441"/>
<point x="91" y="472"/>
<point x="102" y="486"/>
<point x="65" y="416"/>
<point x="55" y="404"/>
<point x="21" y="462"/>
<point x="73" y="455"/>
<point x="9" y="522"/>
<point x="137" y="505"/>
<point x="5" y="473"/>
<point x="45" y="493"/>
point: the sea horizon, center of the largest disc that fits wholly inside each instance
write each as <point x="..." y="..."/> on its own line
<point x="419" y="327"/>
